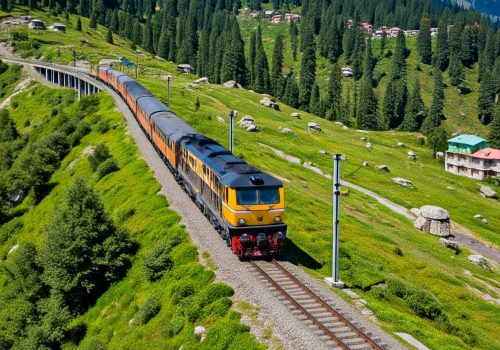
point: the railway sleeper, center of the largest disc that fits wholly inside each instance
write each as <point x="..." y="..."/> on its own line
<point x="360" y="346"/>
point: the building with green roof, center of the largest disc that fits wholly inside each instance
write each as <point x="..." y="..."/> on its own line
<point x="466" y="144"/>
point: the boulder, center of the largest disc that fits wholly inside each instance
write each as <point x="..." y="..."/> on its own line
<point x="403" y="182"/>
<point x="200" y="332"/>
<point x="401" y="144"/>
<point x="339" y="123"/>
<point x="487" y="192"/>
<point x="363" y="138"/>
<point x="132" y="322"/>
<point x="434" y="213"/>
<point x="295" y="115"/>
<point x="221" y="119"/>
<point x="412" y="155"/>
<point x="434" y="220"/>
<point x="450" y="244"/>
<point x="484" y="221"/>
<point x="383" y="167"/>
<point x="268" y="103"/>
<point x="322" y="151"/>
<point x="203" y="80"/>
<point x="304" y="183"/>
<point x="248" y="123"/>
<point x="478" y="216"/>
<point x="479" y="260"/>
<point x="286" y="131"/>
<point x="369" y="145"/>
<point x="439" y="155"/>
<point x="313" y="127"/>
<point x="231" y="84"/>
<point x="252" y="128"/>
<point x="345" y="127"/>
<point x="365" y="164"/>
<point x="251" y="91"/>
<point x="363" y="131"/>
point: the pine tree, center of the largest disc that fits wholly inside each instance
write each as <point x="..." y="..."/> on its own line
<point x="315" y="104"/>
<point x="435" y="114"/>
<point x="357" y="55"/>
<point x="415" y="111"/>
<point x="496" y="75"/>
<point x="486" y="98"/>
<point x="467" y="47"/>
<point x="294" y="33"/>
<point x="109" y="37"/>
<point x="367" y="111"/>
<point x="291" y="93"/>
<point x="277" y="66"/>
<point x="251" y="56"/>
<point x="93" y="19"/>
<point x="442" y="46"/>
<point x="202" y="67"/>
<point x="307" y="67"/>
<point x="233" y="63"/>
<point x="383" y="42"/>
<point x="115" y="22"/>
<point x="137" y="33"/>
<point x="494" y="137"/>
<point x="79" y="24"/>
<point x="262" y="79"/>
<point x="424" y="44"/>
<point x="148" y="37"/>
<point x="438" y="140"/>
<point x="456" y="69"/>
<point x="335" y="94"/>
<point x="83" y="251"/>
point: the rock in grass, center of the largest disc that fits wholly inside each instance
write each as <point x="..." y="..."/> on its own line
<point x="450" y="245"/>
<point x="248" y="123"/>
<point x="344" y="127"/>
<point x="313" y="127"/>
<point x="322" y="151"/>
<point x="295" y="115"/>
<point x="383" y="167"/>
<point x="439" y="155"/>
<point x="200" y="332"/>
<point x="401" y="144"/>
<point x="412" y="155"/>
<point x="286" y="131"/>
<point x="415" y="211"/>
<point x="365" y="164"/>
<point x="268" y="103"/>
<point x="479" y="260"/>
<point x="231" y="84"/>
<point x="369" y="145"/>
<point x="13" y="249"/>
<point x="403" y="182"/>
<point x="203" y="80"/>
<point x="434" y="220"/>
<point x="487" y="192"/>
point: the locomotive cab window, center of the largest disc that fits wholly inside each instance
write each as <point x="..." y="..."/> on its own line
<point x="260" y="196"/>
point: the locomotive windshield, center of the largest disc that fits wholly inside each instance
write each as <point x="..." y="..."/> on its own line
<point x="260" y="196"/>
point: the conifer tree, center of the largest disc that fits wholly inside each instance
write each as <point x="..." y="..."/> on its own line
<point x="494" y="137"/>
<point x="291" y="93"/>
<point x="294" y="33"/>
<point x="357" y="55"/>
<point x="456" y="69"/>
<point x="148" y="37"/>
<point x="202" y="67"/>
<point x="424" y="44"/>
<point x="109" y="37"/>
<point x="415" y="111"/>
<point x="433" y="119"/>
<point x="467" y="47"/>
<point x="93" y="19"/>
<point x="79" y="24"/>
<point x="442" y="46"/>
<point x="115" y="22"/>
<point x="383" y="42"/>
<point x="251" y="56"/>
<point x="307" y="67"/>
<point x="486" y="98"/>
<point x="335" y="94"/>
<point x="496" y="75"/>
<point x="277" y="66"/>
<point x="262" y="79"/>
<point x="233" y="63"/>
<point x="137" y="33"/>
<point x="367" y="111"/>
<point x="315" y="104"/>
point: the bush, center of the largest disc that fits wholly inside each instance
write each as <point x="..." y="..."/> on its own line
<point x="222" y="333"/>
<point x="81" y="130"/>
<point x="213" y="292"/>
<point x="54" y="112"/>
<point x="100" y="154"/>
<point x="102" y="126"/>
<point x="217" y="309"/>
<point x="93" y="344"/>
<point x="89" y="104"/>
<point x="180" y="290"/>
<point x="149" y="309"/>
<point x="15" y="104"/>
<point x="398" y="251"/>
<point x="107" y="167"/>
<point x="157" y="262"/>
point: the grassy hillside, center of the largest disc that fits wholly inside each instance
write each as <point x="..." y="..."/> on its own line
<point x="186" y="295"/>
<point x="377" y="246"/>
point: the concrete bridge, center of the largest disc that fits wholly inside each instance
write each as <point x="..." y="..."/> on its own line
<point x="68" y="77"/>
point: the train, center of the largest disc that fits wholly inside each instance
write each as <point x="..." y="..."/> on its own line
<point x="245" y="205"/>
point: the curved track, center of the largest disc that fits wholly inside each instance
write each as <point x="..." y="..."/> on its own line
<point x="331" y="326"/>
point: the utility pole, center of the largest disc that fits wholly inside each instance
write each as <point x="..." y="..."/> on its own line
<point x="334" y="280"/>
<point x="232" y="115"/>
<point x="137" y="52"/>
<point x="74" y="58"/>
<point x="169" y="77"/>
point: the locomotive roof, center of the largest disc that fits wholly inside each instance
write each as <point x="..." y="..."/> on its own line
<point x="115" y="73"/>
<point x="123" y="79"/>
<point x="234" y="171"/>
<point x="136" y="90"/>
<point x="170" y="124"/>
<point x="151" y="105"/>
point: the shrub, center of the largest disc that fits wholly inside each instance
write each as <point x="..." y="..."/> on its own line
<point x="398" y="251"/>
<point x="107" y="167"/>
<point x="102" y="126"/>
<point x="184" y="253"/>
<point x="89" y="104"/>
<point x="100" y="154"/>
<point x="213" y="292"/>
<point x="217" y="309"/>
<point x="54" y="112"/>
<point x="177" y="322"/>
<point x="180" y="290"/>
<point x="222" y="333"/>
<point x="15" y="104"/>
<point x="123" y="214"/>
<point x="81" y="130"/>
<point x="93" y="344"/>
<point x="149" y="309"/>
<point x="157" y="262"/>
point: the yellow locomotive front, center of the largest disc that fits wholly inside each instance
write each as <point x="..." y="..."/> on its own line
<point x="253" y="208"/>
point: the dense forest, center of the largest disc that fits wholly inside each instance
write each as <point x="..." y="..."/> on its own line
<point x="206" y="35"/>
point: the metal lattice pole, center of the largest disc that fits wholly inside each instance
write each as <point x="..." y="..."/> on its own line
<point x="336" y="216"/>
<point x="232" y="115"/>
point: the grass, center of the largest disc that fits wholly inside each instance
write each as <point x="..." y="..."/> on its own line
<point x="134" y="311"/>
<point x="370" y="233"/>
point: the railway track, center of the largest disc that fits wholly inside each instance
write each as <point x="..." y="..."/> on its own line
<point x="327" y="323"/>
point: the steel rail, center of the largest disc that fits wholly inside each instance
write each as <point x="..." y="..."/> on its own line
<point x="327" y="307"/>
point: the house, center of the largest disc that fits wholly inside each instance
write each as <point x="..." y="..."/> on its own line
<point x="58" y="27"/>
<point x="276" y="19"/>
<point x="292" y="17"/>
<point x="36" y="24"/>
<point x="268" y="13"/>
<point x="347" y="72"/>
<point x="468" y="155"/>
<point x="366" y="26"/>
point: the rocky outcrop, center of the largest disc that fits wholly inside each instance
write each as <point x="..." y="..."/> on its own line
<point x="479" y="260"/>
<point x="403" y="182"/>
<point x="268" y="103"/>
<point x="248" y="123"/>
<point x="313" y="127"/>
<point x="487" y="192"/>
<point x="450" y="245"/>
<point x="383" y="167"/>
<point x="412" y="155"/>
<point x="231" y="84"/>
<point x="286" y="131"/>
<point x="295" y="115"/>
<point x="203" y="80"/>
<point x="434" y="220"/>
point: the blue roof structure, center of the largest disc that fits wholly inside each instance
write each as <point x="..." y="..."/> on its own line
<point x="471" y="140"/>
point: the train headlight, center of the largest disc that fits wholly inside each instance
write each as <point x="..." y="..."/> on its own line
<point x="242" y="221"/>
<point x="277" y="219"/>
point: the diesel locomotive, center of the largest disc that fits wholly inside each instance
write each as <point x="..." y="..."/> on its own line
<point x="245" y="205"/>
